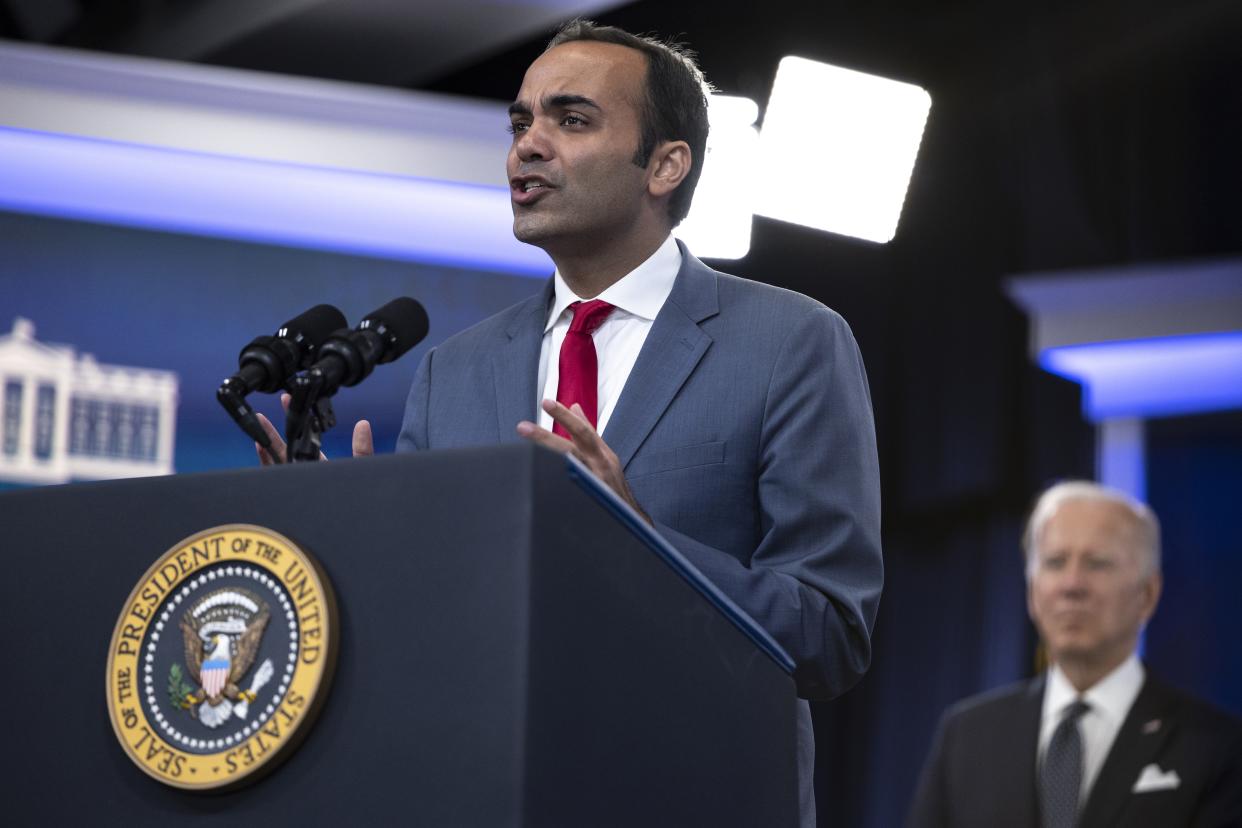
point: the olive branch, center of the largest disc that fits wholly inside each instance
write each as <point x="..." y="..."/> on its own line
<point x="177" y="687"/>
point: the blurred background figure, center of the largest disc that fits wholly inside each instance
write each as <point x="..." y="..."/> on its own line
<point x="1096" y="740"/>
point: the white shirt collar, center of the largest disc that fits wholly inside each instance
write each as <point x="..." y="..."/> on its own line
<point x="1109" y="697"/>
<point x="641" y="292"/>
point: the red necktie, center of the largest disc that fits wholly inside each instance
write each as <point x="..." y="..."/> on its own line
<point x="579" y="381"/>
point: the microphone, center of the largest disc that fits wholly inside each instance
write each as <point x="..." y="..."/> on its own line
<point x="268" y="361"/>
<point x="348" y="357"/>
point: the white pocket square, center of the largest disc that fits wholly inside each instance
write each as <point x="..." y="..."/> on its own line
<point x="1154" y="779"/>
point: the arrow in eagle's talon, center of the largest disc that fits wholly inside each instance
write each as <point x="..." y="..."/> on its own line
<point x="261" y="677"/>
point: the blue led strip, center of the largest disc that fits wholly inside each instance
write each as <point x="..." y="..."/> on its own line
<point x="1163" y="376"/>
<point x="388" y="216"/>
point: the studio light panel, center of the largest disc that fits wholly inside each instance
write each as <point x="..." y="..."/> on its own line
<point x="838" y="147"/>
<point x="722" y="212"/>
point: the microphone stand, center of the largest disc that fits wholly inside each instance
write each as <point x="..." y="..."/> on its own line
<point x="232" y="395"/>
<point x="308" y="417"/>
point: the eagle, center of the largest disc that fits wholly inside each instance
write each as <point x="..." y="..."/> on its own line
<point x="215" y="668"/>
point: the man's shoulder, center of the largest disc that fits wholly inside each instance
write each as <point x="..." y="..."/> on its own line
<point x="749" y="290"/>
<point x="996" y="706"/>
<point x="739" y="296"/>
<point x="500" y="325"/>
<point x="1194" y="713"/>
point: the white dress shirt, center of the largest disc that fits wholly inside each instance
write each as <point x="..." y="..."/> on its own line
<point x="1110" y="700"/>
<point x="638" y="297"/>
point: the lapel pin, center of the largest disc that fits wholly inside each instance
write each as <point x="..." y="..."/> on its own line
<point x="1151" y="727"/>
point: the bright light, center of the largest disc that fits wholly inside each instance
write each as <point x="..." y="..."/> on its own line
<point x="391" y="216"/>
<point x="838" y="148"/>
<point x="1154" y="377"/>
<point x="723" y="208"/>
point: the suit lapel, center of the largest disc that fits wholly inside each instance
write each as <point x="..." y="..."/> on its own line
<point x="1145" y="730"/>
<point x="1018" y="769"/>
<point x="673" y="348"/>
<point x="515" y="365"/>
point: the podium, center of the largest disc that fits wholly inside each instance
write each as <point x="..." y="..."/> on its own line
<point x="512" y="651"/>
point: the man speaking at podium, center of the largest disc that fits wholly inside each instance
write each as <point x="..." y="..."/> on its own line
<point x="733" y="416"/>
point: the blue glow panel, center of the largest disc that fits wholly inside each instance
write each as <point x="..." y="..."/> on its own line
<point x="387" y="216"/>
<point x="1154" y="377"/>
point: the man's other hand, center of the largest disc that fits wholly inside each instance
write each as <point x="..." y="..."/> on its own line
<point x="363" y="444"/>
<point x="586" y="445"/>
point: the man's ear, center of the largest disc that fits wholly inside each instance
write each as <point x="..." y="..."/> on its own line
<point x="1150" y="589"/>
<point x="669" y="166"/>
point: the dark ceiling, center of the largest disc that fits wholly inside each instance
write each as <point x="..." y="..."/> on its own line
<point x="391" y="42"/>
<point x="1106" y="129"/>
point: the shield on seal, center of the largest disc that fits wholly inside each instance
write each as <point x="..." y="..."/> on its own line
<point x="215" y="672"/>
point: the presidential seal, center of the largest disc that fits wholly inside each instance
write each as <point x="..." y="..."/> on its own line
<point x="221" y="658"/>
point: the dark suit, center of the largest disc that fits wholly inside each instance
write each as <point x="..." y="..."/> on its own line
<point x="981" y="770"/>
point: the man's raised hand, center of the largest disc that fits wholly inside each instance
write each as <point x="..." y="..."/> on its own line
<point x="586" y="445"/>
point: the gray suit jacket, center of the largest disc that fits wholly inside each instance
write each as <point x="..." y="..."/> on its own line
<point x="745" y="431"/>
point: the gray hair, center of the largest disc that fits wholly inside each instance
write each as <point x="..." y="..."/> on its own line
<point x="1144" y="520"/>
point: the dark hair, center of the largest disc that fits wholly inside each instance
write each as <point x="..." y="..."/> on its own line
<point x="675" y="100"/>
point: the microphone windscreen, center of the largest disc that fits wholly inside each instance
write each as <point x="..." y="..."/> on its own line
<point x="314" y="326"/>
<point x="403" y="322"/>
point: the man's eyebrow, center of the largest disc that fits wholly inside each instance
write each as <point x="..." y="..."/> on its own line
<point x="554" y="102"/>
<point x="564" y="100"/>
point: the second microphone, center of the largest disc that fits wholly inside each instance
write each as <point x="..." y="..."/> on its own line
<point x="349" y="356"/>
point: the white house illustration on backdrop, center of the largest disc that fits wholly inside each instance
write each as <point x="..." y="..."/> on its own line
<point x="66" y="417"/>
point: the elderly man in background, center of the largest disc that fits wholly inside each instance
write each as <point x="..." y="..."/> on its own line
<point x="1096" y="741"/>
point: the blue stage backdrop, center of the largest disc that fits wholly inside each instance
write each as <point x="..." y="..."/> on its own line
<point x="188" y="304"/>
<point x="1194" y="479"/>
